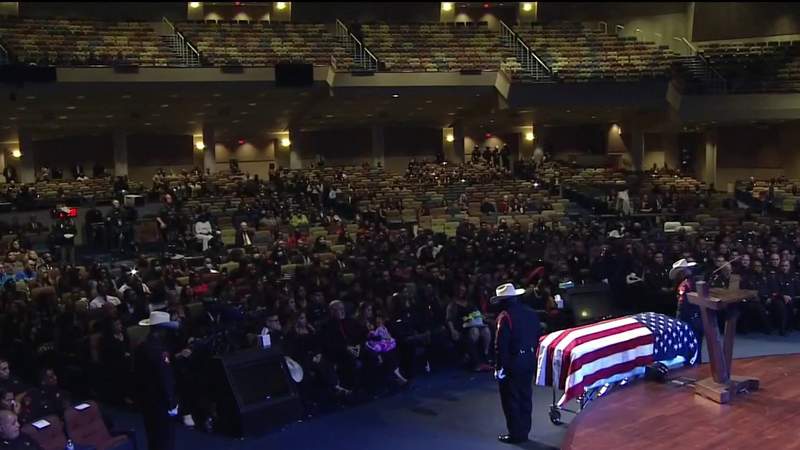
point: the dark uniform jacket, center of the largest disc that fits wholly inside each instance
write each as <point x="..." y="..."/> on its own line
<point x="518" y="332"/>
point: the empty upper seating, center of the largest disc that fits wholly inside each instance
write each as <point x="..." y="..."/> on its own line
<point x="435" y="47"/>
<point x="78" y="42"/>
<point x="577" y="53"/>
<point x="755" y="66"/>
<point x="264" y="44"/>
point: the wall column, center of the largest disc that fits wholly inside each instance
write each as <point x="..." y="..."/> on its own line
<point x="210" y="150"/>
<point x="459" y="152"/>
<point x="27" y="162"/>
<point x="709" y="174"/>
<point x="296" y="150"/>
<point x="378" y="146"/>
<point x="637" y="147"/>
<point x="120" y="153"/>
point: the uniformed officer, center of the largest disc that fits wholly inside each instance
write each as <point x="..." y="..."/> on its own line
<point x="756" y="310"/>
<point x="518" y="333"/>
<point x="781" y="291"/>
<point x="156" y="382"/>
<point x="10" y="437"/>
<point x="687" y="312"/>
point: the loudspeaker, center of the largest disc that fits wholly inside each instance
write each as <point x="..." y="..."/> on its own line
<point x="255" y="393"/>
<point x="590" y="303"/>
<point x="294" y="75"/>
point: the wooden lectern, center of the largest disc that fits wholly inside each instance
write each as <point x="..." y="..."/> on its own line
<point x="722" y="385"/>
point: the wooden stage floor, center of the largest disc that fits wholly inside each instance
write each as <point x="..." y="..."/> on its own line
<point x="648" y="415"/>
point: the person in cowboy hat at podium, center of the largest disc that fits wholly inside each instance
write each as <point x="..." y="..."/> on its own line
<point x="518" y="332"/>
<point x="688" y="313"/>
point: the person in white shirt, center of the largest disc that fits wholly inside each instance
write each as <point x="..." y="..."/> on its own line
<point x="203" y="231"/>
<point x="102" y="299"/>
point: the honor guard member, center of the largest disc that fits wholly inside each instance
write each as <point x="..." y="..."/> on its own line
<point x="518" y="332"/>
<point x="156" y="378"/>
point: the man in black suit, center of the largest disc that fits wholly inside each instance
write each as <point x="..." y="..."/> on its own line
<point x="518" y="334"/>
<point x="244" y="237"/>
<point x="77" y="171"/>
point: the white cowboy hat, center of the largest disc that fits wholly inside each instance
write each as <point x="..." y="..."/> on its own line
<point x="295" y="370"/>
<point x="505" y="290"/>
<point x="158" y="318"/>
<point x="678" y="266"/>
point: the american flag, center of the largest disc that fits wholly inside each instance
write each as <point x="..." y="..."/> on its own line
<point x="577" y="358"/>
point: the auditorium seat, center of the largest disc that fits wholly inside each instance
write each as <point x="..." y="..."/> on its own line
<point x="265" y="44"/>
<point x="87" y="428"/>
<point x="84" y="42"/>
<point x="435" y="47"/>
<point x="576" y="53"/>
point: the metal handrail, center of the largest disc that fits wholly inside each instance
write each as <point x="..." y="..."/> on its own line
<point x="530" y="61"/>
<point x="342" y="32"/>
<point x="706" y="63"/>
<point x="603" y="26"/>
<point x="188" y="53"/>
<point x="363" y="55"/>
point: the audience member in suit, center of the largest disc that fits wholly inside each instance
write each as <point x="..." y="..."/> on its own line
<point x="244" y="237"/>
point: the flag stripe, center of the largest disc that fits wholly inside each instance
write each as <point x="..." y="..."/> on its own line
<point x="594" y="340"/>
<point x="558" y="345"/>
<point x="576" y="390"/>
<point x="588" y="359"/>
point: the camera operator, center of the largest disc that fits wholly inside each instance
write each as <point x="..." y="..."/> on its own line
<point x="63" y="234"/>
<point x="120" y="228"/>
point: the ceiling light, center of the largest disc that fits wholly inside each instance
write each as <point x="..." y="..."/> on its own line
<point x="71" y="108"/>
<point x="194" y="5"/>
<point x="447" y="6"/>
<point x="16" y="153"/>
<point x="527" y="7"/>
<point x="80" y="97"/>
<point x="126" y="96"/>
<point x="12" y="118"/>
<point x="395" y="95"/>
<point x="147" y="124"/>
<point x="280" y="6"/>
<point x="62" y="117"/>
<point x="251" y="104"/>
<point x="235" y="121"/>
<point x="165" y="105"/>
<point x="529" y="136"/>
<point x="450" y="138"/>
<point x="285" y="142"/>
<point x="109" y="116"/>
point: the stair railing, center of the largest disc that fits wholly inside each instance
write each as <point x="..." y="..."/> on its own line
<point x="188" y="54"/>
<point x="532" y="65"/>
<point x="363" y="59"/>
<point x="711" y="76"/>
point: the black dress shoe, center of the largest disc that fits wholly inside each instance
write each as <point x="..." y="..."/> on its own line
<point x="508" y="439"/>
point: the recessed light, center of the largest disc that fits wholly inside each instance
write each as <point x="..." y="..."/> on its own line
<point x="216" y="94"/>
<point x="329" y="116"/>
<point x="395" y="95"/>
<point x="147" y="124"/>
<point x="126" y="96"/>
<point x="62" y="117"/>
<point x="252" y="104"/>
<point x="109" y="116"/>
<point x="207" y="105"/>
<point x="235" y="121"/>
<point x="173" y="95"/>
<point x="200" y="114"/>
<point x="165" y="105"/>
<point x="451" y="114"/>
<point x="80" y="97"/>
<point x="71" y="108"/>
<point x="12" y="118"/>
<point x="243" y="113"/>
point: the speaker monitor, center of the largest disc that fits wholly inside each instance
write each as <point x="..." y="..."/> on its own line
<point x="590" y="303"/>
<point x="256" y="393"/>
<point x="294" y="75"/>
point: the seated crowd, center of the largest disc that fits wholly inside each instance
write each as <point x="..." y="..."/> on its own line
<point x="363" y="306"/>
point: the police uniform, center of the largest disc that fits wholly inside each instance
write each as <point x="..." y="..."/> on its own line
<point x="755" y="311"/>
<point x="157" y="395"/>
<point x="22" y="442"/>
<point x="778" y="285"/>
<point x="518" y="334"/>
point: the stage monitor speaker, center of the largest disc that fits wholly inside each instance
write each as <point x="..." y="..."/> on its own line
<point x="294" y="75"/>
<point x="590" y="303"/>
<point x="256" y="393"/>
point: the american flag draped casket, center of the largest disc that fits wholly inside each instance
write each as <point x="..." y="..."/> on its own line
<point x="581" y="358"/>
